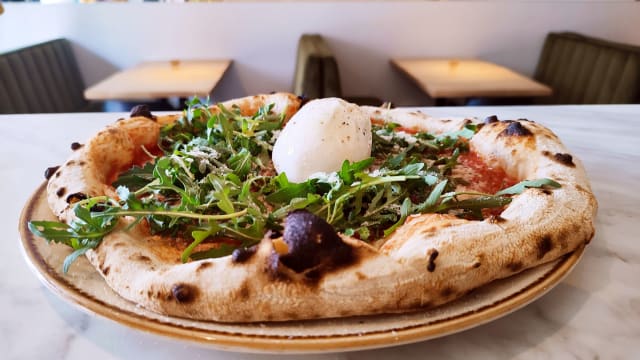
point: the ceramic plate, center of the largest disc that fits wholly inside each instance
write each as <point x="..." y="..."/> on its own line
<point x="83" y="286"/>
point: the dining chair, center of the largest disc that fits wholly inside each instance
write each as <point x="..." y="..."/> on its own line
<point x="588" y="70"/>
<point x="42" y="78"/>
<point x="317" y="74"/>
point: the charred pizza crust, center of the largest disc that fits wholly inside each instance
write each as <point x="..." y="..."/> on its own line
<point x="430" y="260"/>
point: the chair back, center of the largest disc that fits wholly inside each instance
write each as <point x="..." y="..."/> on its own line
<point x="42" y="78"/>
<point x="586" y="70"/>
<point x="316" y="74"/>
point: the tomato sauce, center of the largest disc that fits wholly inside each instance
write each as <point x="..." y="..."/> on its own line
<point x="480" y="176"/>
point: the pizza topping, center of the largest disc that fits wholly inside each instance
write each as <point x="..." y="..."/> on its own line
<point x="280" y="246"/>
<point x="75" y="146"/>
<point x="213" y="183"/>
<point x="479" y="176"/>
<point x="320" y="137"/>
<point x="310" y="242"/>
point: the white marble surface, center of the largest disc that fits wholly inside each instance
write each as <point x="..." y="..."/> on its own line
<point x="593" y="314"/>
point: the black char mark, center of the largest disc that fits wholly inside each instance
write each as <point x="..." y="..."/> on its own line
<point x="75" y="197"/>
<point x="142" y="110"/>
<point x="311" y="242"/>
<point x="491" y="119"/>
<point x="565" y="159"/>
<point x="184" y="293"/>
<point x="544" y="246"/>
<point x="431" y="266"/>
<point x="48" y="173"/>
<point x="515" y="129"/>
<point x="75" y="146"/>
<point x="241" y="255"/>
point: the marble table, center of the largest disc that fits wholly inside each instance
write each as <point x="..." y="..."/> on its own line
<point x="593" y="314"/>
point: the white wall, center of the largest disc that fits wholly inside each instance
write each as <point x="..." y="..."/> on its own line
<point x="261" y="36"/>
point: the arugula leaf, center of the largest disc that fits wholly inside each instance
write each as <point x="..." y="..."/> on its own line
<point x="84" y="233"/>
<point x="199" y="236"/>
<point x="136" y="177"/>
<point x="433" y="197"/>
<point x="523" y="185"/>
<point x="288" y="191"/>
<point x="348" y="170"/>
<point x="240" y="163"/>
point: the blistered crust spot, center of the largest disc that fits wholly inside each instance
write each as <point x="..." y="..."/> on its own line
<point x="514" y="266"/>
<point x="105" y="270"/>
<point x="142" y="110"/>
<point x="48" y="173"/>
<point x="431" y="265"/>
<point x="244" y="293"/>
<point x="561" y="158"/>
<point x="184" y="293"/>
<point x="447" y="291"/>
<point x="242" y="255"/>
<point x="545" y="244"/>
<point x="515" y="129"/>
<point x="490" y="119"/>
<point x="204" y="265"/>
<point x="140" y="258"/>
<point x="75" y="197"/>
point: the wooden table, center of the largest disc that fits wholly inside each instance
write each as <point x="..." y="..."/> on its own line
<point x="160" y="80"/>
<point x="463" y="79"/>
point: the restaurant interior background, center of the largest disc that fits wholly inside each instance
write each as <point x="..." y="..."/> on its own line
<point x="591" y="313"/>
<point x="261" y="36"/>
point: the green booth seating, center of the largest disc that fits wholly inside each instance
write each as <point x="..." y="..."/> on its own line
<point x="316" y="74"/>
<point x="586" y="70"/>
<point x="42" y="78"/>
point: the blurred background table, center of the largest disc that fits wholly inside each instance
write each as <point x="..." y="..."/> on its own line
<point x="158" y="80"/>
<point x="594" y="313"/>
<point x="450" y="79"/>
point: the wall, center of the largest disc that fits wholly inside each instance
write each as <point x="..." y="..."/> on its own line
<point x="261" y="36"/>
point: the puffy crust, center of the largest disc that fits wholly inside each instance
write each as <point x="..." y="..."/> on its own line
<point x="431" y="260"/>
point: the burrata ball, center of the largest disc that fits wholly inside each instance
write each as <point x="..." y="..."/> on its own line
<point x="320" y="137"/>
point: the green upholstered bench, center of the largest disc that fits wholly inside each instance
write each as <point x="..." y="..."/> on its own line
<point x="317" y="75"/>
<point x="586" y="70"/>
<point x="42" y="78"/>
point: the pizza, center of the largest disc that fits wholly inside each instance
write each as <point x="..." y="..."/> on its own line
<point x="265" y="209"/>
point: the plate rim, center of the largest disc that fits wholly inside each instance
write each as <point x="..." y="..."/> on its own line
<point x="281" y="343"/>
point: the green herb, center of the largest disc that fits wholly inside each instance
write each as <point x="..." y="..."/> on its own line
<point x="521" y="186"/>
<point x="84" y="233"/>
